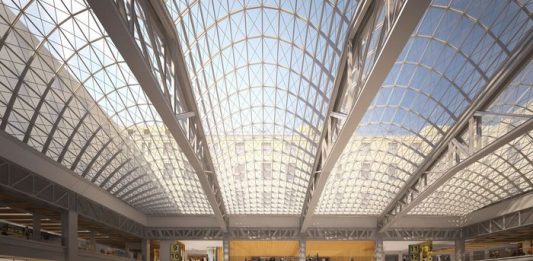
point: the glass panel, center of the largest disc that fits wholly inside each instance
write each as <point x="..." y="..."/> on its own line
<point x="505" y="173"/>
<point x="456" y="49"/>
<point x="66" y="92"/>
<point x="262" y="73"/>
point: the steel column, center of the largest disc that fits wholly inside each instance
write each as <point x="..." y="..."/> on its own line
<point x="379" y="254"/>
<point x="459" y="249"/>
<point x="226" y="248"/>
<point x="36" y="226"/>
<point x="69" y="229"/>
<point x="145" y="249"/>
<point x="302" y="249"/>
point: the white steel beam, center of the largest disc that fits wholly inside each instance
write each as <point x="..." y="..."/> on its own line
<point x="504" y="207"/>
<point x="520" y="221"/>
<point x="119" y="30"/>
<point x="512" y="67"/>
<point x="401" y="28"/>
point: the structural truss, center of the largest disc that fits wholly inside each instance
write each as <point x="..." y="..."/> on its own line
<point x="385" y="110"/>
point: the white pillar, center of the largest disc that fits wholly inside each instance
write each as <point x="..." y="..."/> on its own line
<point x="145" y="249"/>
<point x="302" y="249"/>
<point x="36" y="218"/>
<point x="400" y="256"/>
<point x="225" y="248"/>
<point x="69" y="228"/>
<point x="379" y="252"/>
<point x="164" y="250"/>
<point x="459" y="250"/>
<point x="92" y="240"/>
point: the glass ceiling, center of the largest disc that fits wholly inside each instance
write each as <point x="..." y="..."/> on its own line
<point x="505" y="173"/>
<point x="456" y="49"/>
<point x="262" y="73"/>
<point x="66" y="92"/>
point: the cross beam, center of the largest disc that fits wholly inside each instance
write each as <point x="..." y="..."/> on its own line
<point x="165" y="81"/>
<point x="405" y="200"/>
<point x="40" y="187"/>
<point x="401" y="18"/>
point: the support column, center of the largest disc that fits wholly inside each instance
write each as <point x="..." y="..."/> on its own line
<point x="400" y="256"/>
<point x="379" y="254"/>
<point x="92" y="240"/>
<point x="459" y="250"/>
<point x="145" y="249"/>
<point x="36" y="235"/>
<point x="164" y="250"/>
<point x="69" y="229"/>
<point x="302" y="249"/>
<point x="225" y="248"/>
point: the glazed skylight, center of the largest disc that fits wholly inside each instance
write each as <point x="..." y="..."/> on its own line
<point x="456" y="49"/>
<point x="262" y="73"/>
<point x="67" y="93"/>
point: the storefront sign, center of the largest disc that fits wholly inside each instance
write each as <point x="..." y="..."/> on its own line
<point x="421" y="252"/>
<point x="176" y="251"/>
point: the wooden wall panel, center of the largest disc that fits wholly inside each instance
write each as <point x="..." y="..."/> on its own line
<point x="342" y="250"/>
<point x="239" y="250"/>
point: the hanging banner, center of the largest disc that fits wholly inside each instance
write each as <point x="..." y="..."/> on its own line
<point x="414" y="252"/>
<point x="421" y="252"/>
<point x="177" y="249"/>
<point x="425" y="251"/>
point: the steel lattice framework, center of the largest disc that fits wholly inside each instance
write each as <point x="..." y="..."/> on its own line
<point x="370" y="53"/>
<point x="375" y="108"/>
<point x="15" y="179"/>
<point x="262" y="73"/>
<point x="76" y="101"/>
<point x="19" y="180"/>
<point x="140" y="21"/>
<point x="438" y="76"/>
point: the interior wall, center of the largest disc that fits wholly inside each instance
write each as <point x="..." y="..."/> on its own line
<point x="220" y="254"/>
<point x="341" y="250"/>
<point x="241" y="249"/>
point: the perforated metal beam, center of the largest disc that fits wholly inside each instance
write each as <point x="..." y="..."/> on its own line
<point x="294" y="234"/>
<point x="340" y="234"/>
<point x="169" y="101"/>
<point x="422" y="234"/>
<point x="516" y="220"/>
<point x="183" y="233"/>
<point x="402" y="203"/>
<point x="513" y="216"/>
<point x="400" y="26"/>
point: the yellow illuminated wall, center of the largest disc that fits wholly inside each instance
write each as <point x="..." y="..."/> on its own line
<point x="220" y="254"/>
<point x="239" y="250"/>
<point x="342" y="250"/>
